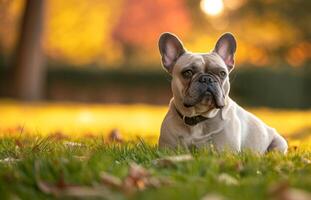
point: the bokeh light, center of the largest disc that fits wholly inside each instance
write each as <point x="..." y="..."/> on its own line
<point x="212" y="7"/>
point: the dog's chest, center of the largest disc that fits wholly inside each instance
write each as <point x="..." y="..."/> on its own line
<point x="199" y="135"/>
<point x="196" y="131"/>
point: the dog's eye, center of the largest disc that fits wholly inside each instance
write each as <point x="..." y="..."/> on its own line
<point x="222" y="74"/>
<point x="187" y="74"/>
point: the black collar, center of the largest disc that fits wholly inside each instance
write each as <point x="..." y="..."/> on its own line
<point x="191" y="121"/>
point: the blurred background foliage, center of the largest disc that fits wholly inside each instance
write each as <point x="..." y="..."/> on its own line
<point x="106" y="51"/>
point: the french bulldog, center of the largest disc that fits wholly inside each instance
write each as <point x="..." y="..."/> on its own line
<point x="201" y="113"/>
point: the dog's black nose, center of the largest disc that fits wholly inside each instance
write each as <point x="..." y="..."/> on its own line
<point x="206" y="79"/>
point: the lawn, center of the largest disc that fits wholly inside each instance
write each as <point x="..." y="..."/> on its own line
<point x="141" y="120"/>
<point x="50" y="150"/>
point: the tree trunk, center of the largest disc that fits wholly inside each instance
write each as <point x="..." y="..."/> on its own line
<point x="28" y="70"/>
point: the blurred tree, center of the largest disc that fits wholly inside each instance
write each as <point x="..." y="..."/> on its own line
<point x="79" y="32"/>
<point x="10" y="11"/>
<point x="142" y="22"/>
<point x="28" y="69"/>
<point x="269" y="32"/>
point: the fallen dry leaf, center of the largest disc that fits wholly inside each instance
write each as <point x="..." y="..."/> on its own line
<point x="62" y="189"/>
<point x="212" y="197"/>
<point x="19" y="143"/>
<point x="227" y="179"/>
<point x="87" y="191"/>
<point x="9" y="160"/>
<point x="110" y="180"/>
<point x="73" y="191"/>
<point x="72" y="144"/>
<point x="296" y="194"/>
<point x="58" y="136"/>
<point x="136" y="171"/>
<point x="115" y="136"/>
<point x="89" y="134"/>
<point x="306" y="160"/>
<point x="156" y="182"/>
<point x="282" y="191"/>
<point x="293" y="148"/>
<point x="172" y="160"/>
<point x="138" y="178"/>
<point x="239" y="167"/>
<point x="81" y="158"/>
<point x="47" y="188"/>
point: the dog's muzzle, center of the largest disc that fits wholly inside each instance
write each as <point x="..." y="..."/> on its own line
<point x="205" y="86"/>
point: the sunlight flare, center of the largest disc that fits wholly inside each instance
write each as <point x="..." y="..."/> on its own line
<point x="212" y="7"/>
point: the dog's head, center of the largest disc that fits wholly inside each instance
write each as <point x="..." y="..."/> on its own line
<point x="200" y="81"/>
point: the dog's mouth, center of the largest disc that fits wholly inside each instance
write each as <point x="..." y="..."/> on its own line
<point x="211" y="96"/>
<point x="217" y="94"/>
<point x="206" y="97"/>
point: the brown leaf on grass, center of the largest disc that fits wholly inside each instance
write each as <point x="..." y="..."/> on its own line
<point x="15" y="129"/>
<point x="111" y="180"/>
<point x="239" y="167"/>
<point x="73" y="190"/>
<point x="293" y="148"/>
<point x="227" y="179"/>
<point x="115" y="136"/>
<point x="306" y="161"/>
<point x="81" y="158"/>
<point x="72" y="144"/>
<point x="44" y="186"/>
<point x="9" y="130"/>
<point x="296" y="194"/>
<point x="89" y="134"/>
<point x="47" y="188"/>
<point x="172" y="160"/>
<point x="212" y="197"/>
<point x="136" y="171"/>
<point x="156" y="182"/>
<point x="19" y="143"/>
<point x="282" y="191"/>
<point x="9" y="160"/>
<point x="87" y="192"/>
<point x="59" y="135"/>
<point x="138" y="178"/>
<point x="62" y="189"/>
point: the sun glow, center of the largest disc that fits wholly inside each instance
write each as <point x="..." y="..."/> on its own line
<point x="212" y="7"/>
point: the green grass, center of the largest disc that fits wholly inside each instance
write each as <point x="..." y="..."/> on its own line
<point x="50" y="160"/>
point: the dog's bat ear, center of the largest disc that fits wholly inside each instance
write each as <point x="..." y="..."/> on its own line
<point x="171" y="48"/>
<point x="226" y="47"/>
